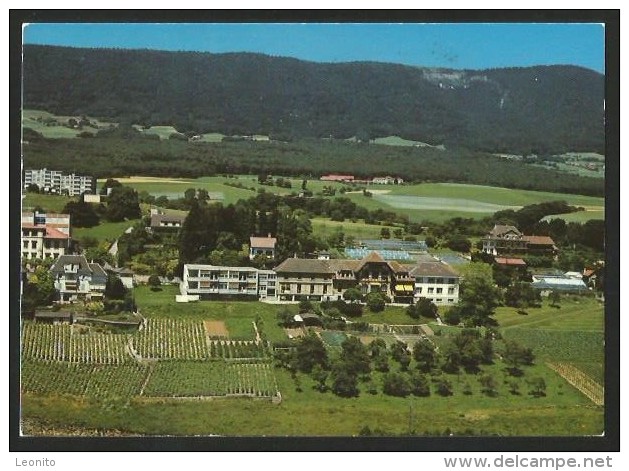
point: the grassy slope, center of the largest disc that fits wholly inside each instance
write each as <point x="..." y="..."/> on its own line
<point x="52" y="203"/>
<point x="109" y="231"/>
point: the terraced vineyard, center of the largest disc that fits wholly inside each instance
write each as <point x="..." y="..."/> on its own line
<point x="170" y="339"/>
<point x="60" y="343"/>
<point x="581" y="381"/>
<point x="44" y="377"/>
<point x="211" y="378"/>
<point x="167" y="358"/>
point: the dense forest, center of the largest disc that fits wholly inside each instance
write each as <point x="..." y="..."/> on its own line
<point x="544" y="109"/>
<point x="116" y="156"/>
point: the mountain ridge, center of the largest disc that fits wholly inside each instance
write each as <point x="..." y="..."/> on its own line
<point x="539" y="109"/>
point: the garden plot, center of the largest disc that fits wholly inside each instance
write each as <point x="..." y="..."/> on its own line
<point x="216" y="329"/>
<point x="442" y="204"/>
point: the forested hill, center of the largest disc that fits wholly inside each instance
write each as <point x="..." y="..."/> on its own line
<point x="519" y="110"/>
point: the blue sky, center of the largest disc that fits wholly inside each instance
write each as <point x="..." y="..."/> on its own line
<point x="459" y="46"/>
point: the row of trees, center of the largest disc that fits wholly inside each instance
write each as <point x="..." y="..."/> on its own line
<point x="466" y="352"/>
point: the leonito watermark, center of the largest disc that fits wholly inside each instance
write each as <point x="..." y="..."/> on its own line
<point x="43" y="462"/>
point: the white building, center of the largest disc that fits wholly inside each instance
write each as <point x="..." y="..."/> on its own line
<point x="55" y="181"/>
<point x="209" y="281"/>
<point x="436" y="281"/>
<point x="44" y="235"/>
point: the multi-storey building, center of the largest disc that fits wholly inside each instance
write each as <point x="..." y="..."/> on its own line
<point x="509" y="240"/>
<point x="210" y="281"/>
<point x="55" y="181"/>
<point x="321" y="280"/>
<point x="435" y="281"/>
<point x="298" y="279"/>
<point x="76" y="279"/>
<point x="44" y="235"/>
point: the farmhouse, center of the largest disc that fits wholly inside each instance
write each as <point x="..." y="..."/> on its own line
<point x="161" y="221"/>
<point x="503" y="239"/>
<point x="45" y="235"/>
<point x="76" y="279"/>
<point x="337" y="178"/>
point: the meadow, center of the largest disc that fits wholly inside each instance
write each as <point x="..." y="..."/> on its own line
<point x="434" y="202"/>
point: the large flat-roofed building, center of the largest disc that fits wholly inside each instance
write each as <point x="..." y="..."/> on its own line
<point x="44" y="235"/>
<point x="208" y="281"/>
<point x="55" y="181"/>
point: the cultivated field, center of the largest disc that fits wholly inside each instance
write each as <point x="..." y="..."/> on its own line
<point x="174" y="357"/>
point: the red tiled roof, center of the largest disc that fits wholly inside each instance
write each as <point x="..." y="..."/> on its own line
<point x="538" y="240"/>
<point x="52" y="233"/>
<point x="510" y="261"/>
<point x="263" y="242"/>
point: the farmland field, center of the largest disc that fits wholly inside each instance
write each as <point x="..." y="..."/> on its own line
<point x="426" y="201"/>
<point x="569" y="335"/>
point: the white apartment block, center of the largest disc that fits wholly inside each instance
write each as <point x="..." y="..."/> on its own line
<point x="208" y="281"/>
<point x="55" y="181"/>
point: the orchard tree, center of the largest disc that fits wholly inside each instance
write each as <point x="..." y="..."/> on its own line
<point x="425" y="355"/>
<point x="309" y="352"/>
<point x="122" y="203"/>
<point x="478" y="296"/>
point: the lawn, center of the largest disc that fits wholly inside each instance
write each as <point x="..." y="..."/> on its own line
<point x="50" y="203"/>
<point x="580" y="216"/>
<point x="324" y="227"/>
<point x="238" y="315"/>
<point x="108" y="231"/>
<point x="575" y="313"/>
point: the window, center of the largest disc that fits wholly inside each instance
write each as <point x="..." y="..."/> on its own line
<point x="431" y="280"/>
<point x="33" y="244"/>
<point x="450" y="290"/>
<point x="298" y="288"/>
<point x="419" y="290"/>
<point x="25" y="244"/>
<point x="439" y="290"/>
<point x="439" y="280"/>
<point x="325" y="289"/>
<point x="312" y="289"/>
<point x="431" y="290"/>
<point x="450" y="300"/>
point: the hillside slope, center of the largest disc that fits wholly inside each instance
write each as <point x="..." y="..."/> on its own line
<point x="520" y="110"/>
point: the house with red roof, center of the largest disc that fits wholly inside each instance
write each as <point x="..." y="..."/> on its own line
<point x="44" y="235"/>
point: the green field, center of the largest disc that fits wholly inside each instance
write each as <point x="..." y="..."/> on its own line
<point x="436" y="202"/>
<point x="580" y="216"/>
<point x="324" y="227"/>
<point x="108" y="231"/>
<point x="50" y="203"/>
<point x="53" y="127"/>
